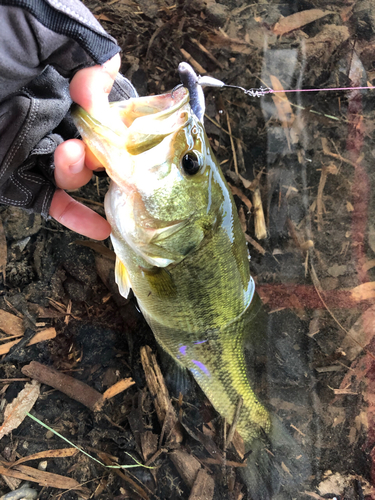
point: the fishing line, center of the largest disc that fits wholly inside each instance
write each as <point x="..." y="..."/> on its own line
<point x="262" y="91"/>
<point x="208" y="81"/>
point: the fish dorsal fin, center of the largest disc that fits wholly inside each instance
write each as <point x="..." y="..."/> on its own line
<point x="122" y="278"/>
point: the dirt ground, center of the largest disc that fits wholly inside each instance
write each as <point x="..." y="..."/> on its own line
<point x="307" y="159"/>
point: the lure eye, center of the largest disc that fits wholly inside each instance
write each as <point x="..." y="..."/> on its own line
<point x="190" y="163"/>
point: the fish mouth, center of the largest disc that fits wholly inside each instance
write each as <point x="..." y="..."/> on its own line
<point x="157" y="107"/>
<point x="150" y="119"/>
<point x="132" y="127"/>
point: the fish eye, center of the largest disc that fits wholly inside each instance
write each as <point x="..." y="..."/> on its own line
<point x="190" y="163"/>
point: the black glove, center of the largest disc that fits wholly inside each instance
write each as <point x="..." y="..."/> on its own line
<point x="43" y="46"/>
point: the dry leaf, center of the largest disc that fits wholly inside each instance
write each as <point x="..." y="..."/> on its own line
<point x="16" y="411"/>
<point x="47" y="334"/>
<point x="103" y="17"/>
<point x="366" y="291"/>
<point x="61" y="453"/>
<point x="235" y="190"/>
<point x="369" y="264"/>
<point x="299" y="19"/>
<point x="334" y="485"/>
<point x="360" y="334"/>
<point x="337" y="270"/>
<point x="284" y="109"/>
<point x="39" y="476"/>
<point x="11" y="324"/>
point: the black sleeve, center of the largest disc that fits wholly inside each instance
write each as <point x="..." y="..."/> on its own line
<point x="43" y="43"/>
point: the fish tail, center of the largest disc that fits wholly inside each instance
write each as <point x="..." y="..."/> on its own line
<point x="275" y="461"/>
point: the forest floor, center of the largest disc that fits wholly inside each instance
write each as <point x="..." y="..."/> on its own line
<point x="307" y="159"/>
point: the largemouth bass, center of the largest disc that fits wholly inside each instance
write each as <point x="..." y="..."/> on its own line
<point x="180" y="247"/>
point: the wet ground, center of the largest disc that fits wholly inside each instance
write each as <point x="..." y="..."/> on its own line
<point x="307" y="159"/>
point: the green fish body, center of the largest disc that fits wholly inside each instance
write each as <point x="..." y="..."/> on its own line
<point x="180" y="247"/>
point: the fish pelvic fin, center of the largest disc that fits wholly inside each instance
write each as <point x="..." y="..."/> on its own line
<point x="276" y="461"/>
<point x="122" y="278"/>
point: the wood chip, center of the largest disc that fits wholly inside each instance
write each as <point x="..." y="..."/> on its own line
<point x="203" y="488"/>
<point x="237" y="191"/>
<point x="159" y="392"/>
<point x="75" y="389"/>
<point x="187" y="466"/>
<point x="38" y="476"/>
<point x="47" y="334"/>
<point x="118" y="387"/>
<point x="259" y="220"/>
<point x="190" y="59"/>
<point x="298" y="20"/>
<point x="11" y="324"/>
<point x="366" y="291"/>
<point x="60" y="453"/>
<point x="255" y="244"/>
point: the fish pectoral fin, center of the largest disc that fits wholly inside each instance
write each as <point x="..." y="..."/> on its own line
<point x="122" y="278"/>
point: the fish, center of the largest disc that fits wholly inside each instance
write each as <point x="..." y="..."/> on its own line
<point x="180" y="247"/>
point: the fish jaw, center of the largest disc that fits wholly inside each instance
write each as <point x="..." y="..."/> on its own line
<point x="131" y="128"/>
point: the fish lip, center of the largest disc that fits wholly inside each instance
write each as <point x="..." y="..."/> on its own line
<point x="160" y="106"/>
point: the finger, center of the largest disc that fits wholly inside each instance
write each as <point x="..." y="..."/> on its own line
<point x="90" y="87"/>
<point x="70" y="169"/>
<point x="77" y="217"/>
<point x="91" y="160"/>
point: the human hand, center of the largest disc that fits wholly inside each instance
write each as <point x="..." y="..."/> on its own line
<point x="74" y="163"/>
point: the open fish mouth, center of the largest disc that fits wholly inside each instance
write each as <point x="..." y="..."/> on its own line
<point x="132" y="127"/>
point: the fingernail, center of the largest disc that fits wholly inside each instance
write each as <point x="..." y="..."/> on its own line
<point x="76" y="168"/>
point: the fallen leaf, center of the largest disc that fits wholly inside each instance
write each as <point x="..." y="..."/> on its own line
<point x="366" y="291"/>
<point x="11" y="324"/>
<point x="284" y="108"/>
<point x="47" y="334"/>
<point x="103" y="17"/>
<point x="334" y="484"/>
<point x="369" y="264"/>
<point x="235" y="190"/>
<point x="299" y="19"/>
<point x="16" y="411"/>
<point x="61" y="453"/>
<point x="337" y="270"/>
<point x="39" y="476"/>
<point x="359" y="335"/>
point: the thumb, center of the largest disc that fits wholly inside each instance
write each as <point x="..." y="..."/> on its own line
<point x="90" y="87"/>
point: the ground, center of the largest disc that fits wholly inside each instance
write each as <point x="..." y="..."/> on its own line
<point x="306" y="160"/>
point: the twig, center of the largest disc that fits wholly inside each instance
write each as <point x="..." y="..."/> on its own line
<point x="241" y="160"/>
<point x="255" y="244"/>
<point x="75" y="389"/>
<point x="232" y="145"/>
<point x="319" y="201"/>
<point x="234" y="423"/>
<point x="159" y="392"/>
<point x="208" y="54"/>
<point x="190" y="59"/>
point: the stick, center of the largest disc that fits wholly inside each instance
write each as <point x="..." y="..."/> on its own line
<point x="75" y="389"/>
